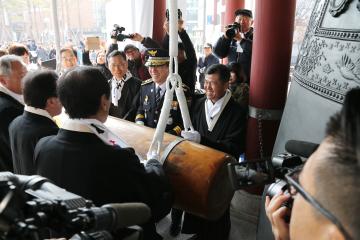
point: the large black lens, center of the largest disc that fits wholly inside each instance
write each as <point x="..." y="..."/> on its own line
<point x="231" y="32"/>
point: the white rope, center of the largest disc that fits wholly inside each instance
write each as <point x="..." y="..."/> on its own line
<point x="173" y="84"/>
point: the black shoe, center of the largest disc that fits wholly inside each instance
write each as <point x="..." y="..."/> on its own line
<point x="175" y="229"/>
<point x="194" y="237"/>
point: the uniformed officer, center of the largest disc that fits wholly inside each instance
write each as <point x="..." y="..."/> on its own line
<point x="152" y="92"/>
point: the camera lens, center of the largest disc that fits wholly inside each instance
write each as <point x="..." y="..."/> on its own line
<point x="231" y="32"/>
<point x="276" y="188"/>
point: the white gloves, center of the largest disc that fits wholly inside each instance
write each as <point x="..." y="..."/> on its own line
<point x="152" y="155"/>
<point x="191" y="135"/>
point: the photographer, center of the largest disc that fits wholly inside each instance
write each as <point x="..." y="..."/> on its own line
<point x="186" y="54"/>
<point x="86" y="158"/>
<point x="326" y="191"/>
<point x="136" y="59"/>
<point x="236" y="43"/>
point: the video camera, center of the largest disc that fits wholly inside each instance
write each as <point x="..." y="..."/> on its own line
<point x="271" y="171"/>
<point x="117" y="34"/>
<point x="232" y="30"/>
<point x="33" y="208"/>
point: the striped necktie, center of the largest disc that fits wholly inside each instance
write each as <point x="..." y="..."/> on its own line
<point x="158" y="96"/>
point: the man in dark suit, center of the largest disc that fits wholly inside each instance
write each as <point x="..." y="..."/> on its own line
<point x="152" y="94"/>
<point x="83" y="159"/>
<point x="124" y="87"/>
<point x="206" y="61"/>
<point x="42" y="103"/>
<point x="12" y="70"/>
<point x="220" y="123"/>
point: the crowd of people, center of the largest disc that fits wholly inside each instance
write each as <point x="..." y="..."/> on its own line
<point x="131" y="84"/>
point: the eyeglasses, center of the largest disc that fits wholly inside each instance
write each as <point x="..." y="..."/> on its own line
<point x="295" y="187"/>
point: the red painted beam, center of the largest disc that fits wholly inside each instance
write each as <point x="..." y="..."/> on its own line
<point x="273" y="35"/>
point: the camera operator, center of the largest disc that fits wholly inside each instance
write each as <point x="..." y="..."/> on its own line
<point x="135" y="58"/>
<point x="236" y="43"/>
<point x="85" y="157"/>
<point x="326" y="192"/>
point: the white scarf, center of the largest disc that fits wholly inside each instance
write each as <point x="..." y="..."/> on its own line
<point x="38" y="111"/>
<point x="17" y="97"/>
<point x="96" y="127"/>
<point x="213" y="111"/>
<point x="117" y="86"/>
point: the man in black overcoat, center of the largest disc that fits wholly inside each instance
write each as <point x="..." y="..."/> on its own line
<point x="12" y="70"/>
<point x="220" y="123"/>
<point x="85" y="158"/>
<point x="238" y="48"/>
<point x="41" y="104"/>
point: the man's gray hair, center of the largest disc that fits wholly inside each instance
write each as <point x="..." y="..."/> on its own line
<point x="5" y="64"/>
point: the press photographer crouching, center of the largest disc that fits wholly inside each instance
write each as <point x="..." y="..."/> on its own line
<point x="325" y="192"/>
<point x="88" y="159"/>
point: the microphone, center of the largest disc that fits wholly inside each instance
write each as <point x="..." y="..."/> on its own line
<point x="117" y="215"/>
<point x="301" y="148"/>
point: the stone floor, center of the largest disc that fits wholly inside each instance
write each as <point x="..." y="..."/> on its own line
<point x="244" y="210"/>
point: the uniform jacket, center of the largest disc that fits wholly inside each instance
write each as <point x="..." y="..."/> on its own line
<point x="148" y="113"/>
<point x="81" y="163"/>
<point x="9" y="110"/>
<point x="23" y="142"/>
<point x="127" y="104"/>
